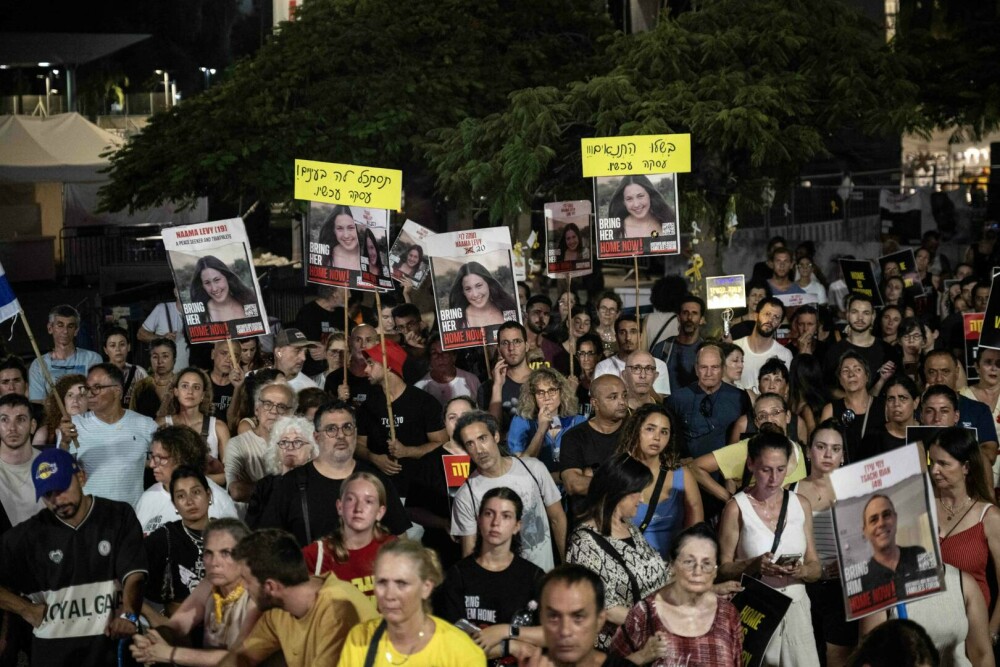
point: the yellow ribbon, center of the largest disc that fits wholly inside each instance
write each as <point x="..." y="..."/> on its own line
<point x="221" y="602"/>
<point x="695" y="271"/>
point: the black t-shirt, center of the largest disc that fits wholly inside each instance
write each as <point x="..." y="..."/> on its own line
<point x="510" y="394"/>
<point x="876" y="355"/>
<point x="75" y="570"/>
<point x="486" y="598"/>
<point x="316" y="322"/>
<point x="284" y="509"/>
<point x="878" y="443"/>
<point x="416" y="414"/>
<point x="259" y="498"/>
<point x="222" y="396"/>
<point x="585" y="447"/>
<point x="170" y="546"/>
<point x="429" y="491"/>
<point x="359" y="386"/>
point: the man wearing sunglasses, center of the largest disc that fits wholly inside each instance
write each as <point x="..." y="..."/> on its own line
<point x="308" y="489"/>
<point x="113" y="441"/>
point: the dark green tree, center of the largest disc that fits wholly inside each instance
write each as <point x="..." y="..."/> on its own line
<point x="761" y="86"/>
<point x="357" y="81"/>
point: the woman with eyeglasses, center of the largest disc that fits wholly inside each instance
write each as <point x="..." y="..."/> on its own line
<point x="349" y="551"/>
<point x="912" y="338"/>
<point x="547" y="408"/>
<point x="174" y="550"/>
<point x="686" y="622"/>
<point x="568" y="333"/>
<point x="175" y="446"/>
<point x="588" y="353"/>
<point x="859" y="411"/>
<point x="609" y="306"/>
<point x="190" y="404"/>
<point x="293" y="444"/>
<point x="756" y="539"/>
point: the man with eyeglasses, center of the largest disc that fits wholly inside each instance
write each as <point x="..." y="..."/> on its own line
<point x="65" y="358"/>
<point x="419" y="427"/>
<point x="500" y="397"/>
<point x="358" y="387"/>
<point x="248" y="458"/>
<point x="311" y="488"/>
<point x="678" y="352"/>
<point x="760" y="345"/>
<point x="113" y="441"/>
<point x="627" y="334"/>
<point x="708" y="406"/>
<point x="639" y="376"/>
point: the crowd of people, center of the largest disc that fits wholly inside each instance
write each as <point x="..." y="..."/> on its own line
<point x="591" y="491"/>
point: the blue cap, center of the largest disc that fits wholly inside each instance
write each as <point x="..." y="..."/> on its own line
<point x="53" y="470"/>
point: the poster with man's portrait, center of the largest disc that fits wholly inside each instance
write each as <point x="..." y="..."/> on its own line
<point x="637" y="215"/>
<point x="348" y="246"/>
<point x="886" y="531"/>
<point x="472" y="273"/>
<point x="567" y="239"/>
<point x="216" y="283"/>
<point x="406" y="257"/>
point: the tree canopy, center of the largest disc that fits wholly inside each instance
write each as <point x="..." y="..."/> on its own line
<point x="357" y="81"/>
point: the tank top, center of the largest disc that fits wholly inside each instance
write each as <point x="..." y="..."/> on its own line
<point x="970" y="552"/>
<point x="756" y="538"/>
<point x="211" y="437"/>
<point x="944" y="618"/>
<point x="668" y="518"/>
<point x="824" y="536"/>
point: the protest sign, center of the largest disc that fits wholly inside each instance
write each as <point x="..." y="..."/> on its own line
<point x="472" y="274"/>
<point x="456" y="471"/>
<point x="348" y="184"/>
<point x="406" y="257"/>
<point x="901" y="216"/>
<point x="213" y="271"/>
<point x="567" y="239"/>
<point x="972" y="326"/>
<point x="644" y="154"/>
<point x="637" y="215"/>
<point x="860" y="278"/>
<point x="925" y="435"/>
<point x="990" y="334"/>
<point x="886" y="532"/>
<point x="794" y="300"/>
<point x="725" y="292"/>
<point x="904" y="265"/>
<point x="761" y="609"/>
<point x="348" y="246"/>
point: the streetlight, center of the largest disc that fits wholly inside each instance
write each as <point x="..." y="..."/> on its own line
<point x="208" y="72"/>
<point x="166" y="86"/>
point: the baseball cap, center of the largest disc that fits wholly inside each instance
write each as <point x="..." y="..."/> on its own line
<point x="53" y="470"/>
<point x="396" y="356"/>
<point x="292" y="337"/>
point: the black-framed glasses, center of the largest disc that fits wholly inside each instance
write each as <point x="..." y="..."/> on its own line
<point x="280" y="408"/>
<point x="332" y="430"/>
<point x="95" y="389"/>
<point x="642" y="370"/>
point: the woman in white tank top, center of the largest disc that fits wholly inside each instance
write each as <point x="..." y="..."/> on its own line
<point x="751" y="524"/>
<point x="190" y="404"/>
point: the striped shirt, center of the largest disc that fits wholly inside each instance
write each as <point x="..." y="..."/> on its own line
<point x="114" y="455"/>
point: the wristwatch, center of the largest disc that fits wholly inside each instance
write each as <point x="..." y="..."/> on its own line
<point x="131" y="618"/>
<point x="515" y="632"/>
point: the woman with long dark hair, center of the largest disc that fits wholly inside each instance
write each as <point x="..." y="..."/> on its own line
<point x="807" y="393"/>
<point x="483" y="301"/>
<point x="373" y="253"/>
<point x="641" y="209"/>
<point x="219" y="290"/>
<point x="340" y="233"/>
<point x="571" y="245"/>
<point x="408" y="265"/>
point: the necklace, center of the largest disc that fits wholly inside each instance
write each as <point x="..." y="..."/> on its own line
<point x="952" y="510"/>
<point x="199" y="543"/>
<point x="406" y="656"/>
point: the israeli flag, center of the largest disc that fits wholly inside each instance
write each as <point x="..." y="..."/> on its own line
<point x="9" y="307"/>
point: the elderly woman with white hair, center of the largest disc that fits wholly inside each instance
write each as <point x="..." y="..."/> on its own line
<point x="292" y="444"/>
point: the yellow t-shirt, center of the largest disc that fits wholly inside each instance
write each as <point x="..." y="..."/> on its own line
<point x="449" y="647"/>
<point x="318" y="637"/>
<point x="733" y="458"/>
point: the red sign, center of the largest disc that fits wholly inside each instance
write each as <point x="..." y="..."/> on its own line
<point x="456" y="471"/>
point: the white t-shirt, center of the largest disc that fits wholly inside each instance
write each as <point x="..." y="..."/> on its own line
<point x="79" y="362"/>
<point x="248" y="458"/>
<point x="165" y="319"/>
<point x="17" y="490"/>
<point x="114" y="455"/>
<point x="615" y="366"/>
<point x="155" y="507"/>
<point x="531" y="481"/>
<point x="300" y="382"/>
<point x="463" y="384"/>
<point x="752" y="361"/>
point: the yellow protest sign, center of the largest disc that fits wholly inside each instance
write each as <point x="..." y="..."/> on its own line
<point x="348" y="184"/>
<point x="649" y="154"/>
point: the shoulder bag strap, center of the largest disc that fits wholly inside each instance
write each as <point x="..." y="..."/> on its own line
<point x="319" y="558"/>
<point x="206" y="421"/>
<point x="654" y="499"/>
<point x="373" y="644"/>
<point x="780" y="528"/>
<point x="302" y="482"/>
<point x="532" y="476"/>
<point x="166" y="312"/>
<point x="610" y="550"/>
<point x="656" y="338"/>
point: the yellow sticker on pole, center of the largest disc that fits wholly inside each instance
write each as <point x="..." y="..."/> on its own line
<point x="644" y="154"/>
<point x="348" y="184"/>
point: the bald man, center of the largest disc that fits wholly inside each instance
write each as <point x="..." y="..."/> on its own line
<point x="586" y="446"/>
<point x="640" y="374"/>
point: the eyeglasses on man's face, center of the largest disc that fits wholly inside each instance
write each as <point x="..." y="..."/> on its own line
<point x="333" y="430"/>
<point x="270" y="406"/>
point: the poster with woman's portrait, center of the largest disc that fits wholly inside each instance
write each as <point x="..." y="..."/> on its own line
<point x="348" y="246"/>
<point x="213" y="271"/>
<point x="567" y="239"/>
<point x="406" y="257"/>
<point x="886" y="531"/>
<point x="472" y="273"/>
<point x="637" y="215"/>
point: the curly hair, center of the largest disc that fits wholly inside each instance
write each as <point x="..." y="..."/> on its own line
<point x="183" y="444"/>
<point x="628" y="442"/>
<point x="171" y="406"/>
<point x="283" y="425"/>
<point x="568" y="402"/>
